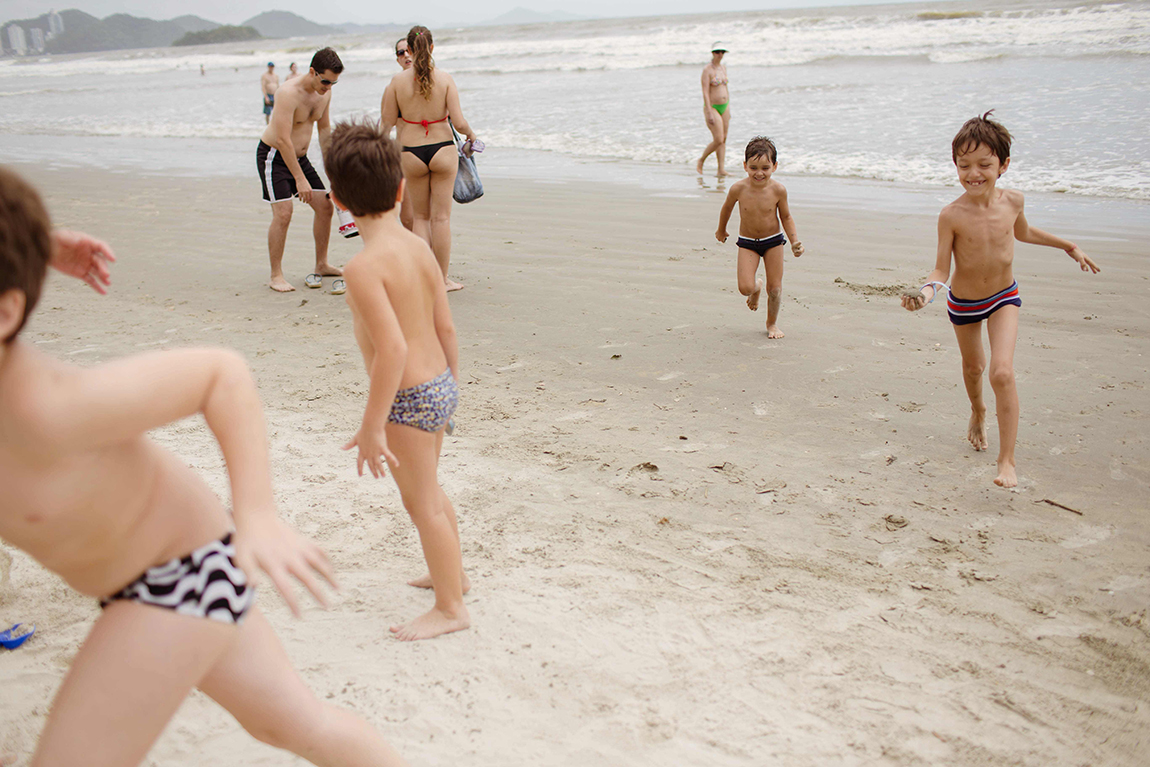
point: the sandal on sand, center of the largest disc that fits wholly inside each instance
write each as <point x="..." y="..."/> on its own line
<point x="313" y="281"/>
<point x="338" y="287"/>
<point x="17" y="635"/>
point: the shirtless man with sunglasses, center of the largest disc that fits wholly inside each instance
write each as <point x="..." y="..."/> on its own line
<point x="285" y="171"/>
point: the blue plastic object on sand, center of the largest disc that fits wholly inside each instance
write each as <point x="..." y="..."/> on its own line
<point x="17" y="635"/>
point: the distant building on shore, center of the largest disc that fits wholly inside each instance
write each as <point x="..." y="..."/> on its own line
<point x="55" y="24"/>
<point x="16" y="40"/>
<point x="37" y="40"/>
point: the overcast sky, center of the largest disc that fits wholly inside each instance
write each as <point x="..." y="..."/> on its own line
<point x="376" y="12"/>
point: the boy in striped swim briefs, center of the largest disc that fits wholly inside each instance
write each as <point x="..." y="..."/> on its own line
<point x="979" y="229"/>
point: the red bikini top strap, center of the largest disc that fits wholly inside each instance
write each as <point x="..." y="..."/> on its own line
<point x="424" y="123"/>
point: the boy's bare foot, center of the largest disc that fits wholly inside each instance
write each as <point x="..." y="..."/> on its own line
<point x="327" y="270"/>
<point x="774" y="332"/>
<point x="431" y="624"/>
<point x="976" y="432"/>
<point x="452" y="285"/>
<point x="753" y="299"/>
<point x="699" y="167"/>
<point x="425" y="583"/>
<point x="1006" y="474"/>
<point x="280" y="285"/>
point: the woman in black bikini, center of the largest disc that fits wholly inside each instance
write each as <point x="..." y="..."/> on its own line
<point x="419" y="101"/>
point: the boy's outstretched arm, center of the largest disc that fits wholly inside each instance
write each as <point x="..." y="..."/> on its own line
<point x="113" y="403"/>
<point x="84" y="257"/>
<point x="445" y="330"/>
<point x="913" y="300"/>
<point x="1024" y="232"/>
<point x="788" y="222"/>
<point x="375" y="316"/>
<point x="725" y="213"/>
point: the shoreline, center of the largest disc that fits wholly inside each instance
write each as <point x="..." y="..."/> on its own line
<point x="689" y="545"/>
<point x="1122" y="216"/>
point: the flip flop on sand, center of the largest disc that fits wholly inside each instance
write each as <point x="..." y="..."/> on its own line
<point x="17" y="635"/>
<point x="313" y="280"/>
<point x="338" y="287"/>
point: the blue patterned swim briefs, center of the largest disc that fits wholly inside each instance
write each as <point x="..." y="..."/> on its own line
<point x="427" y="406"/>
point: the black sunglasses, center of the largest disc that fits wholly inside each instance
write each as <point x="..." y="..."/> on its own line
<point x="401" y="53"/>
<point x="327" y="82"/>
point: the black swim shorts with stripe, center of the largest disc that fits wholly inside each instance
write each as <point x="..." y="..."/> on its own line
<point x="204" y="584"/>
<point x="277" y="180"/>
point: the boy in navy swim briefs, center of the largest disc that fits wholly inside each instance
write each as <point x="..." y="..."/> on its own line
<point x="762" y="207"/>
<point x="403" y="325"/>
<point x="980" y="228"/>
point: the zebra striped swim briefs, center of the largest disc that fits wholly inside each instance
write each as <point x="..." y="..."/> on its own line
<point x="206" y="583"/>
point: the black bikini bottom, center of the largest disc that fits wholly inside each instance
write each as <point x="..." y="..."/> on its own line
<point x="427" y="151"/>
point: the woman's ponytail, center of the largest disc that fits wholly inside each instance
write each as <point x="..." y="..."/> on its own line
<point x="419" y="45"/>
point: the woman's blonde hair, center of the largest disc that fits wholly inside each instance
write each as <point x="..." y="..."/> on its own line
<point x="419" y="46"/>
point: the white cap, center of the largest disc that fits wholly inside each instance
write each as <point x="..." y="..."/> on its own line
<point x="718" y="45"/>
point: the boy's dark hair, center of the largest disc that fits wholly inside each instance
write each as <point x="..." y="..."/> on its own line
<point x="981" y="130"/>
<point x="326" y="60"/>
<point x="363" y="166"/>
<point x="761" y="146"/>
<point x="25" y="241"/>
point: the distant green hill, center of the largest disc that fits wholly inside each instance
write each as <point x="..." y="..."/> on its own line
<point x="224" y="34"/>
<point x="284" y="24"/>
<point x="84" y="33"/>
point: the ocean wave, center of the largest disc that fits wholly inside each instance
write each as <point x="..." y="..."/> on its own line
<point x="1132" y="183"/>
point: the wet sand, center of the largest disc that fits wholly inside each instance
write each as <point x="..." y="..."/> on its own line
<point x="689" y="545"/>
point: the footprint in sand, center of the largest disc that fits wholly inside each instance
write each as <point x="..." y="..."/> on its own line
<point x="1087" y="535"/>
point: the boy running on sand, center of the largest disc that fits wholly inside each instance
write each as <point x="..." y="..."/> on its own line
<point x="404" y="329"/>
<point x="980" y="228"/>
<point x="91" y="498"/>
<point x="762" y="205"/>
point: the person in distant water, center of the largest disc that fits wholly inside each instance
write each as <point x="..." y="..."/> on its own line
<point x="202" y="72"/>
<point x="285" y="172"/>
<point x="292" y="72"/>
<point x="422" y="99"/>
<point x="978" y="231"/>
<point x="403" y="58"/>
<point x="716" y="108"/>
<point x="269" y="84"/>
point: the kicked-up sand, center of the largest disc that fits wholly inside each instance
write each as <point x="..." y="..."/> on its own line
<point x="689" y="545"/>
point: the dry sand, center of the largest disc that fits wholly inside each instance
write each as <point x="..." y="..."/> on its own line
<point x="690" y="546"/>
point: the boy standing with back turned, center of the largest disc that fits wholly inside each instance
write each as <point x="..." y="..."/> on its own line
<point x="762" y="207"/>
<point x="404" y="329"/>
<point x="980" y="228"/>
